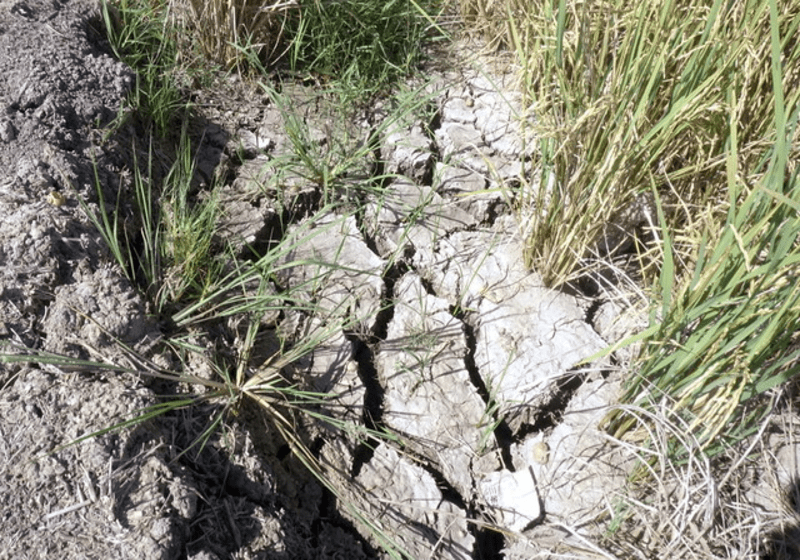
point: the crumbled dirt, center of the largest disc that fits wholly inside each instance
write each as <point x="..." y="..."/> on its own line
<point x="452" y="344"/>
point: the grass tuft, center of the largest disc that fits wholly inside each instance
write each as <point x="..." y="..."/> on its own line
<point x="363" y="44"/>
<point x="140" y="35"/>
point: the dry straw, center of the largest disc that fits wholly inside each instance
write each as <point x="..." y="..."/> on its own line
<point x="222" y="27"/>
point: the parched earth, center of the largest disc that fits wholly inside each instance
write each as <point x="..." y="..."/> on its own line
<point x="457" y="347"/>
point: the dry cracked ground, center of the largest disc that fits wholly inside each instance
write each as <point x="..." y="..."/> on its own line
<point x="457" y="347"/>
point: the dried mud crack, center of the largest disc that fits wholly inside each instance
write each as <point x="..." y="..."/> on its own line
<point x="373" y="401"/>
<point x="502" y="432"/>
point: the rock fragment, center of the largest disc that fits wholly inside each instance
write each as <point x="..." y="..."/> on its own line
<point x="513" y="498"/>
<point x="7" y="131"/>
<point x="329" y="266"/>
<point x="408" y="153"/>
<point x="455" y="139"/>
<point x="459" y="108"/>
<point x="585" y="471"/>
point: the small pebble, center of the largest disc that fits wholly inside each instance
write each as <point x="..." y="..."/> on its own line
<point x="541" y="452"/>
<point x="56" y="198"/>
<point x="7" y="132"/>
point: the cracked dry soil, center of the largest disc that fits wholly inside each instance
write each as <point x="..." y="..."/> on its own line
<point x="458" y="348"/>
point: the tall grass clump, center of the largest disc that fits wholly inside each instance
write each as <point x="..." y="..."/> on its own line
<point x="635" y="96"/>
<point x="361" y="45"/>
<point x="364" y="44"/>
<point x="221" y="28"/>
<point x="727" y="333"/>
<point x="141" y="36"/>
<point x="691" y="105"/>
